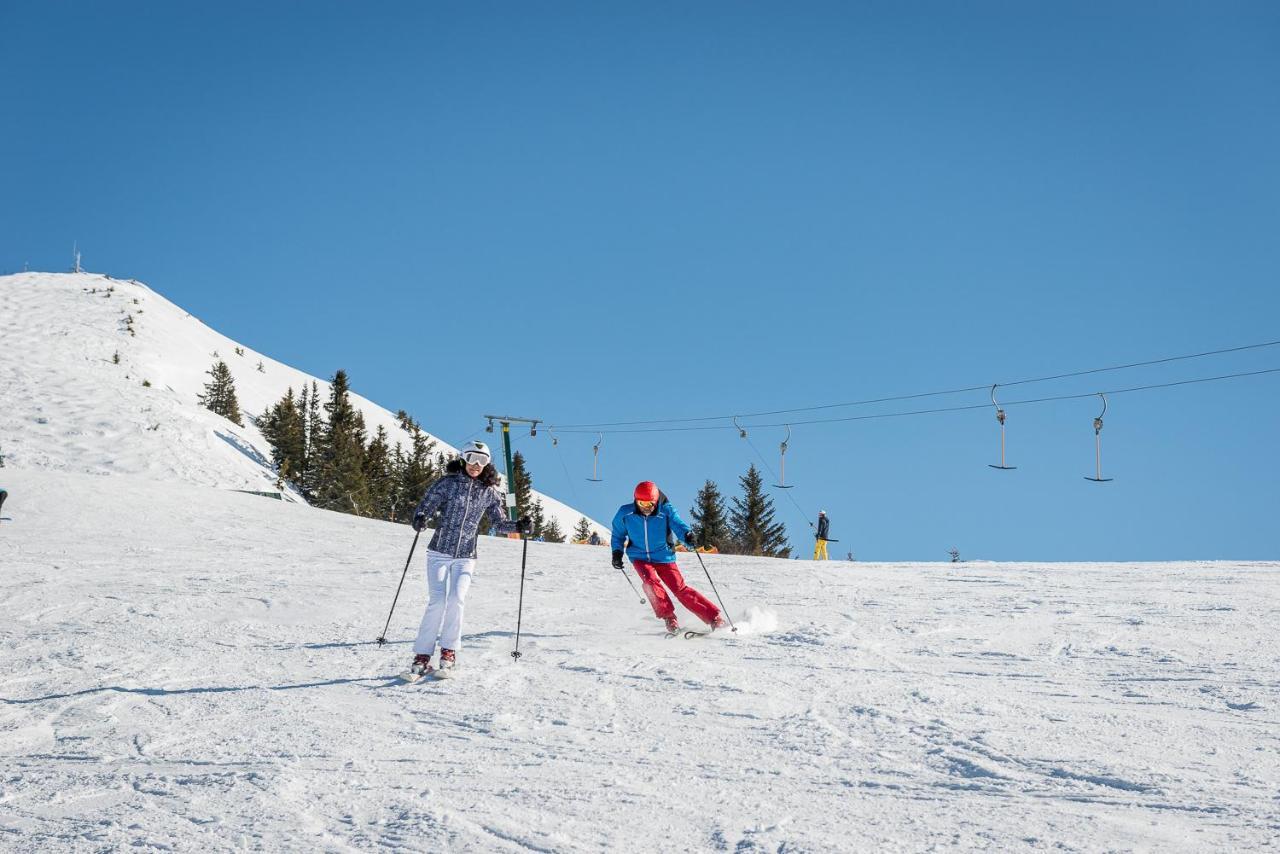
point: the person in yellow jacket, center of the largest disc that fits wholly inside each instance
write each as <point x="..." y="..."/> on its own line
<point x="820" y="545"/>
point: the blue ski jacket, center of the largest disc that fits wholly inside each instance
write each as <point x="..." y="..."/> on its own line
<point x="463" y="501"/>
<point x="648" y="538"/>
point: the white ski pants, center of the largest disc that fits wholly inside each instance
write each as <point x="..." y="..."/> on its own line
<point x="448" y="580"/>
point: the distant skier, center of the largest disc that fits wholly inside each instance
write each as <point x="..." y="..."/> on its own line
<point x="821" y="534"/>
<point x="3" y="496"/>
<point x="594" y="539"/>
<point x="467" y="492"/>
<point x="647" y="529"/>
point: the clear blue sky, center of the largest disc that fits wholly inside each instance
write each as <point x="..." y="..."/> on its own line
<point x="591" y="212"/>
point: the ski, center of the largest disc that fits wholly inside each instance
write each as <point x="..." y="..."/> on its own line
<point x="411" y="678"/>
<point x="416" y="673"/>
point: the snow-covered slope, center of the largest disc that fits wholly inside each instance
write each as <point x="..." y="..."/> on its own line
<point x="191" y="669"/>
<point x="67" y="405"/>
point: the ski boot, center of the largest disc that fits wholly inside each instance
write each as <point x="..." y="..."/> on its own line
<point x="673" y="627"/>
<point x="448" y="661"/>
<point x="718" y="623"/>
<point x="421" y="667"/>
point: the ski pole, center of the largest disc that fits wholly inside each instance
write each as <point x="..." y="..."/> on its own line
<point x="723" y="609"/>
<point x="524" y="553"/>
<point x="626" y="542"/>
<point x="382" y="638"/>
<point x="631" y="583"/>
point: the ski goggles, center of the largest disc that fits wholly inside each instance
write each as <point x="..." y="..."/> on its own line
<point x="476" y="458"/>
<point x="646" y="505"/>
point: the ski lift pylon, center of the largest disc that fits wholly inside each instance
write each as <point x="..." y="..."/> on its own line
<point x="782" y="465"/>
<point x="1000" y="418"/>
<point x="1097" y="444"/>
<point x="595" y="460"/>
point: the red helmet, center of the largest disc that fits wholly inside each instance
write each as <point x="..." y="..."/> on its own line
<point x="646" y="491"/>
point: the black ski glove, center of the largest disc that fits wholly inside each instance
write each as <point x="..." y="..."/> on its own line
<point x="524" y="524"/>
<point x="419" y="522"/>
<point x="617" y="560"/>
<point x="691" y="541"/>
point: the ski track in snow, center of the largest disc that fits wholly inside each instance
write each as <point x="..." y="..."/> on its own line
<point x="185" y="668"/>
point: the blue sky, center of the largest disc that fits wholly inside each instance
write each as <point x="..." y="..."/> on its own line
<point x="588" y="212"/>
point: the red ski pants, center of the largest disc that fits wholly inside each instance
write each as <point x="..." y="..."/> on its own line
<point x="654" y="575"/>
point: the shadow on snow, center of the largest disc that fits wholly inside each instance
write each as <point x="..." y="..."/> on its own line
<point x="363" y="681"/>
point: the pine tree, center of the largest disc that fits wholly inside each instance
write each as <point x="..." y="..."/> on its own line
<point x="341" y="483"/>
<point x="293" y="437"/>
<point x="526" y="504"/>
<point x="282" y="425"/>
<point x="751" y="521"/>
<point x="407" y="424"/>
<point x="710" y="528"/>
<point x="266" y="426"/>
<point x="379" y="475"/>
<point x="220" y="393"/>
<point x="523" y="482"/>
<point x="310" y="475"/>
<point x="396" y="494"/>
<point x="538" y="519"/>
<point x="582" y="531"/>
<point x="420" y="470"/>
<point x="551" y="531"/>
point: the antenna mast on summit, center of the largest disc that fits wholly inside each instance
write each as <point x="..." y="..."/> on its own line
<point x="75" y="251"/>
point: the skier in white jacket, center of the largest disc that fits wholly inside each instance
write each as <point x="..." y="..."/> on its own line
<point x="468" y="491"/>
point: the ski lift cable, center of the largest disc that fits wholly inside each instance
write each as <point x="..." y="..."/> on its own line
<point x="515" y="440"/>
<point x="906" y="413"/>
<point x="567" y="478"/>
<point x="595" y="425"/>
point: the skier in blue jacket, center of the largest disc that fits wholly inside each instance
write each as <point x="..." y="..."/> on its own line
<point x="647" y="529"/>
<point x="467" y="493"/>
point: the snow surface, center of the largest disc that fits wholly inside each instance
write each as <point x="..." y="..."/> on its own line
<point x="65" y="405"/>
<point x="184" y="667"/>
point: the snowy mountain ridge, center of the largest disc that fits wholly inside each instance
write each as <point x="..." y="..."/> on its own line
<point x="101" y="375"/>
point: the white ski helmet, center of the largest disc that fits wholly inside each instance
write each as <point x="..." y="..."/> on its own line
<point x="476" y="453"/>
